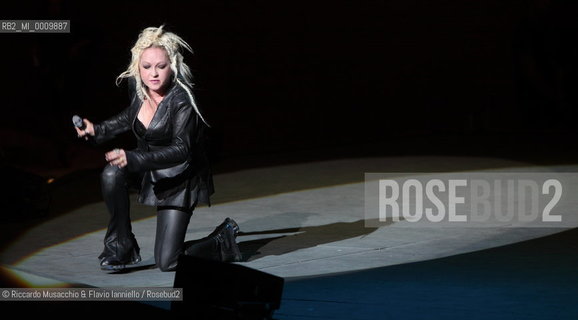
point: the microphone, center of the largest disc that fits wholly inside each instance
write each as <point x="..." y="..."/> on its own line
<point x="77" y="121"/>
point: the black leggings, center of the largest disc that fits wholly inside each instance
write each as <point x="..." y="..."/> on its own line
<point x="171" y="230"/>
<point x="120" y="245"/>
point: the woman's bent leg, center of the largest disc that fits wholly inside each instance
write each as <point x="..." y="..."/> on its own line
<point x="171" y="230"/>
<point x="120" y="245"/>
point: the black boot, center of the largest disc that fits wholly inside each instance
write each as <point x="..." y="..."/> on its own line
<point x="227" y="224"/>
<point x="225" y="236"/>
<point x="117" y="256"/>
<point x="220" y="245"/>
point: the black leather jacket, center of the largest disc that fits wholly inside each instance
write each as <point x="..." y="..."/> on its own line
<point x="170" y="156"/>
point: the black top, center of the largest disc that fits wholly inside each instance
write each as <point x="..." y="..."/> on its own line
<point x="139" y="128"/>
<point x="170" y="153"/>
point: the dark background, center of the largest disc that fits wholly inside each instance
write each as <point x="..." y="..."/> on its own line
<point x="283" y="80"/>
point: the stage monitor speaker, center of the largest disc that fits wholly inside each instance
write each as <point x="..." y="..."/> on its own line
<point x="217" y="290"/>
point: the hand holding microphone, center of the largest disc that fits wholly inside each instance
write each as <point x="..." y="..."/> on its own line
<point x="83" y="127"/>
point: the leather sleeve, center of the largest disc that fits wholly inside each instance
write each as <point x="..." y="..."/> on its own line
<point x="178" y="151"/>
<point x="112" y="127"/>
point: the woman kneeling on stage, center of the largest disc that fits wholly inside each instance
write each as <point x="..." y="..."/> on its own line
<point x="170" y="164"/>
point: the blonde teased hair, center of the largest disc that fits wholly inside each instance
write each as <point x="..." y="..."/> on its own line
<point x="173" y="45"/>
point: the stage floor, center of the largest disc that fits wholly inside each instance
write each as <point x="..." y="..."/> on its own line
<point x="298" y="220"/>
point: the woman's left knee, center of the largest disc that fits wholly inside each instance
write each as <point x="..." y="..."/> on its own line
<point x="167" y="262"/>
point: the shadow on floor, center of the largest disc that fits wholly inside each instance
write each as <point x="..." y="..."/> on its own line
<point x="305" y="237"/>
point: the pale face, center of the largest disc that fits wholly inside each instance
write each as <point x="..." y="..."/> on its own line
<point x="155" y="70"/>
